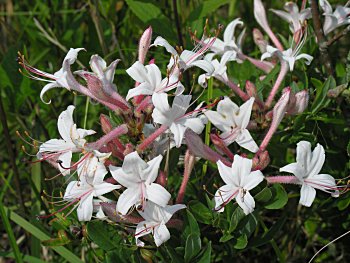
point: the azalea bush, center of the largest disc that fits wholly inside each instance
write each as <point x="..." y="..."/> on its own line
<point x="230" y="139"/>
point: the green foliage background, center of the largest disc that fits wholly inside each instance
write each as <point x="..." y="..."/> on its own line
<point x="278" y="230"/>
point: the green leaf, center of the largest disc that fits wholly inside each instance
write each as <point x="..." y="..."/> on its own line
<point x="205" y="258"/>
<point x="321" y="99"/>
<point x="193" y="246"/>
<point x="279" y="197"/>
<point x="226" y="237"/>
<point x="191" y="225"/>
<point x="65" y="253"/>
<point x="264" y="195"/>
<point x="61" y="240"/>
<point x="104" y="235"/>
<point x="343" y="204"/>
<point x="175" y="257"/>
<point x="11" y="236"/>
<point x="236" y="217"/>
<point x="149" y="13"/>
<point x="202" y="213"/>
<point x="205" y="8"/>
<point x="249" y="224"/>
<point x="241" y="242"/>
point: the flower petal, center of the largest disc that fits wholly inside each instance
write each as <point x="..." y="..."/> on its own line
<point x="178" y="131"/>
<point x="161" y="234"/>
<point x="226" y="173"/>
<point x="295" y="169"/>
<point x="104" y="188"/>
<point x="65" y="159"/>
<point x="224" y="195"/>
<point x="246" y="202"/>
<point x="158" y="194"/>
<point x="127" y="180"/>
<point x="127" y="199"/>
<point x="245" y="140"/>
<point x="151" y="172"/>
<point x="252" y="180"/>
<point x="85" y="208"/>
<point x="307" y="195"/>
<point x="143" y="228"/>
<point x="65" y="123"/>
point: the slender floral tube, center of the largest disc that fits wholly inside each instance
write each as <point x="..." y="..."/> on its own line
<point x="281" y="179"/>
<point x="281" y="75"/>
<point x="116" y="132"/>
<point x="237" y="90"/>
<point x="278" y="113"/>
<point x="189" y="164"/>
<point x="148" y="141"/>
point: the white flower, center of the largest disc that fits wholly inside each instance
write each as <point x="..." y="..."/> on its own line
<point x="90" y="185"/>
<point x="307" y="169"/>
<point x="175" y="117"/>
<point x="293" y="16"/>
<point x="233" y="121"/>
<point x="105" y="74"/>
<point x="62" y="78"/>
<point x="156" y="218"/>
<point x="150" y="79"/>
<point x="334" y="19"/>
<point x="239" y="180"/>
<point x="290" y="55"/>
<point x="72" y="141"/>
<point x="138" y="177"/>
<point x="219" y="67"/>
<point x="186" y="59"/>
<point x="229" y="42"/>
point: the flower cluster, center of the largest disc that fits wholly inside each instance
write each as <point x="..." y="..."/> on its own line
<point x="127" y="159"/>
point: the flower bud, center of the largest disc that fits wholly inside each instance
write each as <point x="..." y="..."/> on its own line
<point x="298" y="102"/>
<point x="259" y="40"/>
<point x="144" y="44"/>
<point x="105" y="123"/>
<point x="251" y="89"/>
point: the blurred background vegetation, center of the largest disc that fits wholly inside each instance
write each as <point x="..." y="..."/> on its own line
<point x="43" y="31"/>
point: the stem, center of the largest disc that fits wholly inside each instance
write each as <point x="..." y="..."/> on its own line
<point x="116" y="132"/>
<point x="148" y="141"/>
<point x="208" y="125"/>
<point x="86" y="112"/>
<point x="189" y="163"/>
<point x="321" y="39"/>
<point x="281" y="75"/>
<point x="237" y="90"/>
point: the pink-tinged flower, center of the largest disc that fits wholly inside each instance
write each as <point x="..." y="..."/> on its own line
<point x="60" y="79"/>
<point x="239" y="180"/>
<point x="175" y="117"/>
<point x="293" y="16"/>
<point x="138" y="177"/>
<point x="260" y="16"/>
<point x="103" y="73"/>
<point x="150" y="79"/>
<point x="229" y="43"/>
<point x="187" y="58"/>
<point x="156" y="218"/>
<point x="233" y="121"/>
<point x="290" y="56"/>
<point x="219" y="67"/>
<point x="90" y="185"/>
<point x="72" y="141"/>
<point x="307" y="169"/>
<point x="335" y="19"/>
